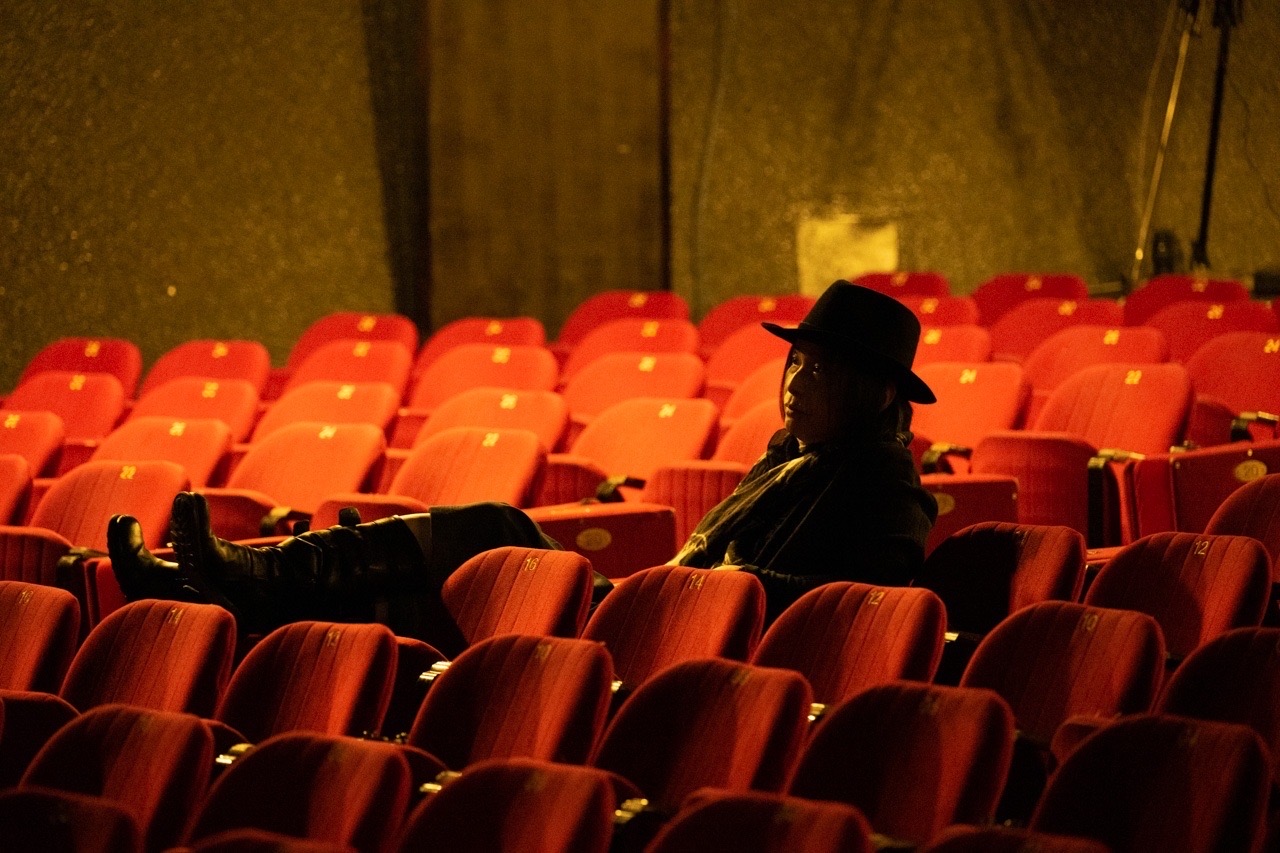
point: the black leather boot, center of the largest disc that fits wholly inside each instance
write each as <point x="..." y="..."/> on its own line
<point x="140" y="573"/>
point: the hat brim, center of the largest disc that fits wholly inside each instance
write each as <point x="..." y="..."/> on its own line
<point x="910" y="386"/>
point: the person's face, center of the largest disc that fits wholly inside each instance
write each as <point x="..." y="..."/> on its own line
<point x="822" y="395"/>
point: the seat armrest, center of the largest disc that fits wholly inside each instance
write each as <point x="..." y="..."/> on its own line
<point x="934" y="460"/>
<point x="567" y="478"/>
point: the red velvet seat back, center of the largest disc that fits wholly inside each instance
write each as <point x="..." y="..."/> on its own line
<point x="115" y="356"/>
<point x="708" y="723"/>
<point x="517" y="696"/>
<point x="89" y="404"/>
<point x="353" y="326"/>
<point x="312" y="676"/>
<point x="1164" y="290"/>
<point x="35" y="436"/>
<point x="523" y="367"/>
<point x="1252" y="510"/>
<point x="636" y="436"/>
<point x="913" y="758"/>
<point x="516" y="804"/>
<point x="468" y="464"/>
<point x="284" y="465"/>
<point x="328" y="402"/>
<point x="199" y="446"/>
<point x="1007" y="839"/>
<point x="352" y="361"/>
<point x="543" y="413"/>
<point x="661" y="616"/>
<point x="1189" y="325"/>
<point x="1066" y="353"/>
<point x="1137" y="407"/>
<point x="519" y="591"/>
<point x="232" y="401"/>
<point x="1240" y="370"/>
<point x="646" y="335"/>
<point x="494" y="331"/>
<point x="845" y="637"/>
<point x="610" y="305"/>
<point x="739" y="357"/>
<point x="953" y="343"/>
<point x="764" y="384"/>
<point x="906" y="283"/>
<point x="155" y="764"/>
<point x="163" y="655"/>
<point x="46" y="819"/>
<point x="1195" y="585"/>
<point x="248" y="361"/>
<point x="617" y="376"/>
<point x="937" y="311"/>
<point x="39" y="626"/>
<point x="1058" y="659"/>
<point x="732" y="314"/>
<point x="974" y="399"/>
<point x="754" y="822"/>
<point x="1001" y="293"/>
<point x="80" y="502"/>
<point x="15" y="487"/>
<point x="321" y="787"/>
<point x="1028" y="324"/>
<point x="1162" y="783"/>
<point x="989" y="570"/>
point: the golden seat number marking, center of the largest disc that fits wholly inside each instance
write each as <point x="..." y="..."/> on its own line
<point x="638" y="300"/>
<point x="767" y="305"/>
<point x="327" y="432"/>
<point x="367" y="322"/>
<point x="968" y="376"/>
<point x="128" y="472"/>
<point x="899" y="279"/>
<point x="541" y="652"/>
<point x="331" y="638"/>
<point x="1111" y="337"/>
<point x="1215" y="312"/>
<point x="649" y="329"/>
<point x="77" y="382"/>
<point x="12" y="421"/>
<point x="696" y="580"/>
<point x="875" y="597"/>
<point x="668" y="410"/>
<point x="92" y="348"/>
<point x="1200" y="285"/>
<point x="494" y="328"/>
<point x="177" y="429"/>
<point x="530" y="563"/>
<point x="930" y="704"/>
<point x="929" y="306"/>
<point x="361" y="349"/>
<point x="174" y="616"/>
<point x="647" y="364"/>
<point x="1200" y="548"/>
<point x="501" y="355"/>
<point x="1271" y="346"/>
<point x="346" y="392"/>
<point x="490" y="439"/>
<point x="1133" y="377"/>
<point x="24" y="598"/>
<point x="740" y="676"/>
<point x="1067" y="307"/>
<point x="220" y="350"/>
<point x="209" y="391"/>
<point x="508" y="401"/>
<point x="932" y="336"/>
<point x="1089" y="622"/>
<point x="1034" y="283"/>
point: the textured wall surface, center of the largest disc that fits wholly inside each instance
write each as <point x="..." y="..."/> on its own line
<point x="997" y="135"/>
<point x="181" y="170"/>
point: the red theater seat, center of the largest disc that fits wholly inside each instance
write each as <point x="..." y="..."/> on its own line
<point x="906" y="283"/>
<point x="114" y="356"/>
<point x="247" y="361"/>
<point x="1028" y="324"/>
<point x="1164" y="290"/>
<point x="1003" y="292"/>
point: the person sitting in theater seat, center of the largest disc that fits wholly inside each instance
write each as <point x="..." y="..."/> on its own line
<point x="834" y="496"/>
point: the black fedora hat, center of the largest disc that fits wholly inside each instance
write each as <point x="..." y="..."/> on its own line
<point x="873" y="329"/>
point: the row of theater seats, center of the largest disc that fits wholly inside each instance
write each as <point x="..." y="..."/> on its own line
<point x="912" y="758"/>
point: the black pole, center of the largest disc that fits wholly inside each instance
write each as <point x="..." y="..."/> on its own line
<point x="1226" y="14"/>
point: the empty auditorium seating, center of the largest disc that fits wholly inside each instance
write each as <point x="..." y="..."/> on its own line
<point x="906" y="283"/>
<point x="630" y="335"/>
<point x="516" y="696"/>
<point x="1189" y="325"/>
<point x="667" y="614"/>
<point x="966" y="499"/>
<point x="39" y="627"/>
<point x="307" y="785"/>
<point x="154" y="764"/>
<point x="1026" y="325"/>
<point x="544" y="413"/>
<point x="913" y="758"/>
<point x="739" y="357"/>
<point x="764" y="384"/>
<point x="1195" y="585"/>
<point x="726" y="317"/>
<point x="844" y="637"/>
<point x="1164" y="290"/>
<point x="610" y="305"/>
<point x="458" y="466"/>
<point x="89" y="404"/>
<point x="35" y="436"/>
<point x="1001" y="293"/>
<point x="199" y="446"/>
<point x="114" y="356"/>
<point x="953" y="343"/>
<point x="506" y="806"/>
<point x="707" y="723"/>
<point x="15" y="488"/>
<point x="755" y="822"/>
<point x="232" y="401"/>
<point x="512" y="367"/>
<point x="974" y="399"/>
<point x="248" y="361"/>
<point x="494" y="331"/>
<point x="1119" y="786"/>
<point x="342" y="325"/>
<point x="321" y="677"/>
<point x="618" y="376"/>
<point x="1252" y="510"/>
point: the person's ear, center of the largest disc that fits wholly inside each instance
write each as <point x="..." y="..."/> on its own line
<point x="890" y="394"/>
